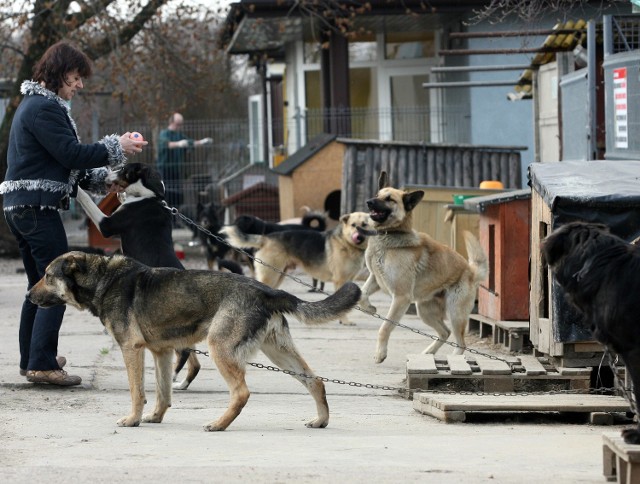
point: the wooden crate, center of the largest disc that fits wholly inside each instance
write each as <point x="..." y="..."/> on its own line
<point x="596" y="191"/>
<point x="504" y="230"/>
<point x="620" y="461"/>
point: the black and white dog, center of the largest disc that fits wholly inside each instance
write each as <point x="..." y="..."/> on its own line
<point x="144" y="226"/>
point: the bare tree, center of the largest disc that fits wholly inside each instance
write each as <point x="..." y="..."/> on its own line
<point x="152" y="55"/>
<point x="498" y="10"/>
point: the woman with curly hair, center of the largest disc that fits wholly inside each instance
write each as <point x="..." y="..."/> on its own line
<point x="45" y="164"/>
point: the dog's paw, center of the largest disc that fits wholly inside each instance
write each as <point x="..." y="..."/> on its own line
<point x="214" y="427"/>
<point x="183" y="385"/>
<point x="128" y="421"/>
<point x="381" y="355"/>
<point x="368" y="308"/>
<point x="631" y="436"/>
<point x="152" y="418"/>
<point x="317" y="423"/>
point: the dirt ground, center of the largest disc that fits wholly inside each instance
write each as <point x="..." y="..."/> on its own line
<point x="52" y="434"/>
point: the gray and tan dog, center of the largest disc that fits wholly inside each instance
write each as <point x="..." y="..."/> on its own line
<point x="164" y="308"/>
<point x="335" y="255"/>
<point x="411" y="267"/>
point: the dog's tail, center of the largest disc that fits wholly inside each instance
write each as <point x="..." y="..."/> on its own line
<point x="333" y="307"/>
<point x="476" y="257"/>
<point x="238" y="239"/>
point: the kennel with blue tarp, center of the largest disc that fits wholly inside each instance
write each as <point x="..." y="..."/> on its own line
<point x="601" y="191"/>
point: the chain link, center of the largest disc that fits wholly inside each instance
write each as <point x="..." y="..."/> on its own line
<point x="410" y="391"/>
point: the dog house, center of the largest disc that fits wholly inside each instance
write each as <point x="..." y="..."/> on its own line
<point x="504" y="221"/>
<point x="599" y="191"/>
<point x="312" y="177"/>
<point x="259" y="200"/>
<point x="431" y="214"/>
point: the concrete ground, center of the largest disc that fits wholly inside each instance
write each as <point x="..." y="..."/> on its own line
<point x="53" y="434"/>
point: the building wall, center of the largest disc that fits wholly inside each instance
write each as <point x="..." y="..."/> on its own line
<point x="311" y="183"/>
<point x="496" y="120"/>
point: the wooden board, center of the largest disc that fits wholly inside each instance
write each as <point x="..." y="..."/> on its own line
<point x="422" y="364"/>
<point x="621" y="462"/>
<point x="454" y="407"/>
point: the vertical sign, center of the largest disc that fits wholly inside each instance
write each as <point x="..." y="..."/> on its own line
<point x="620" y="106"/>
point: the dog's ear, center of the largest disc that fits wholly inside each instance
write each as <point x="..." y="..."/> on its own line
<point x="344" y="218"/>
<point x="410" y="200"/>
<point x="553" y="247"/>
<point x="153" y="180"/>
<point x="74" y="262"/>
<point x="383" y="180"/>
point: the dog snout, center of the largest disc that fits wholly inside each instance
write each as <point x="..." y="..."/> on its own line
<point x="371" y="203"/>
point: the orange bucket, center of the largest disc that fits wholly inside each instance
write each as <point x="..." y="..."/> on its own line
<point x="491" y="185"/>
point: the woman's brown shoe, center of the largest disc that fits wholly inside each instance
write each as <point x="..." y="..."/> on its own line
<point x="53" y="377"/>
<point x="61" y="360"/>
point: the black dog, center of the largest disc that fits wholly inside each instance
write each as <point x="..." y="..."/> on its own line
<point x="600" y="274"/>
<point x="250" y="224"/>
<point x="144" y="226"/>
<point x="216" y="249"/>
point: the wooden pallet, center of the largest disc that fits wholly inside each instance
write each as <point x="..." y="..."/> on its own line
<point x="455" y="407"/>
<point x="479" y="373"/>
<point x="621" y="462"/>
<point x="512" y="335"/>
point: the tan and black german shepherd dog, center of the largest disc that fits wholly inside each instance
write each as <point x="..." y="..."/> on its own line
<point x="411" y="267"/>
<point x="164" y="308"/>
<point x="335" y="255"/>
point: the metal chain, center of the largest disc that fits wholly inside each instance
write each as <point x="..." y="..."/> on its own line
<point x="187" y="220"/>
<point x="626" y="391"/>
<point x="411" y="391"/>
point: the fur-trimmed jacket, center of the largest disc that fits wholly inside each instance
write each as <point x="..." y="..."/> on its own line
<point x="45" y="160"/>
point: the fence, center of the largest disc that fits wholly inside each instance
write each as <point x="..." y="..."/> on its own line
<point x="222" y="170"/>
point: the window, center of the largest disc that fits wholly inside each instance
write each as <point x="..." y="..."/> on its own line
<point x="409" y="45"/>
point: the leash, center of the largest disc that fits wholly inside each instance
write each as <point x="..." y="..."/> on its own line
<point x="405" y="391"/>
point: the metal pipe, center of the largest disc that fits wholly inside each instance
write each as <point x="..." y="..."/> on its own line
<point x="512" y="67"/>
<point x="532" y="50"/>
<point x="432" y="85"/>
<point x="511" y="33"/>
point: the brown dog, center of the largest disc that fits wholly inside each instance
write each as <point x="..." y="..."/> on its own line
<point x="164" y="308"/>
<point x="335" y="255"/>
<point x="412" y="267"/>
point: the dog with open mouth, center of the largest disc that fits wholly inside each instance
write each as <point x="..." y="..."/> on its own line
<point x="335" y="255"/>
<point x="412" y="267"/>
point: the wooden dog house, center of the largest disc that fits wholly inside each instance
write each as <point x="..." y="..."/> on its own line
<point x="430" y="215"/>
<point x="312" y="177"/>
<point x="605" y="192"/>
<point x="504" y="220"/>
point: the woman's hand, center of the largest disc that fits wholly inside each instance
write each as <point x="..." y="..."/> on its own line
<point x="131" y="146"/>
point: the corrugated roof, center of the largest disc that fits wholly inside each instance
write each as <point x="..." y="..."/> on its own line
<point x="565" y="41"/>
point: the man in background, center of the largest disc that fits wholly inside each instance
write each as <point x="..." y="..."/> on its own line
<point x="172" y="148"/>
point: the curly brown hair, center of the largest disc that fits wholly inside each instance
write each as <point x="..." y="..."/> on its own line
<point x="60" y="59"/>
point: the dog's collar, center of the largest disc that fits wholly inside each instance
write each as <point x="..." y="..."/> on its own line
<point x="371" y="233"/>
